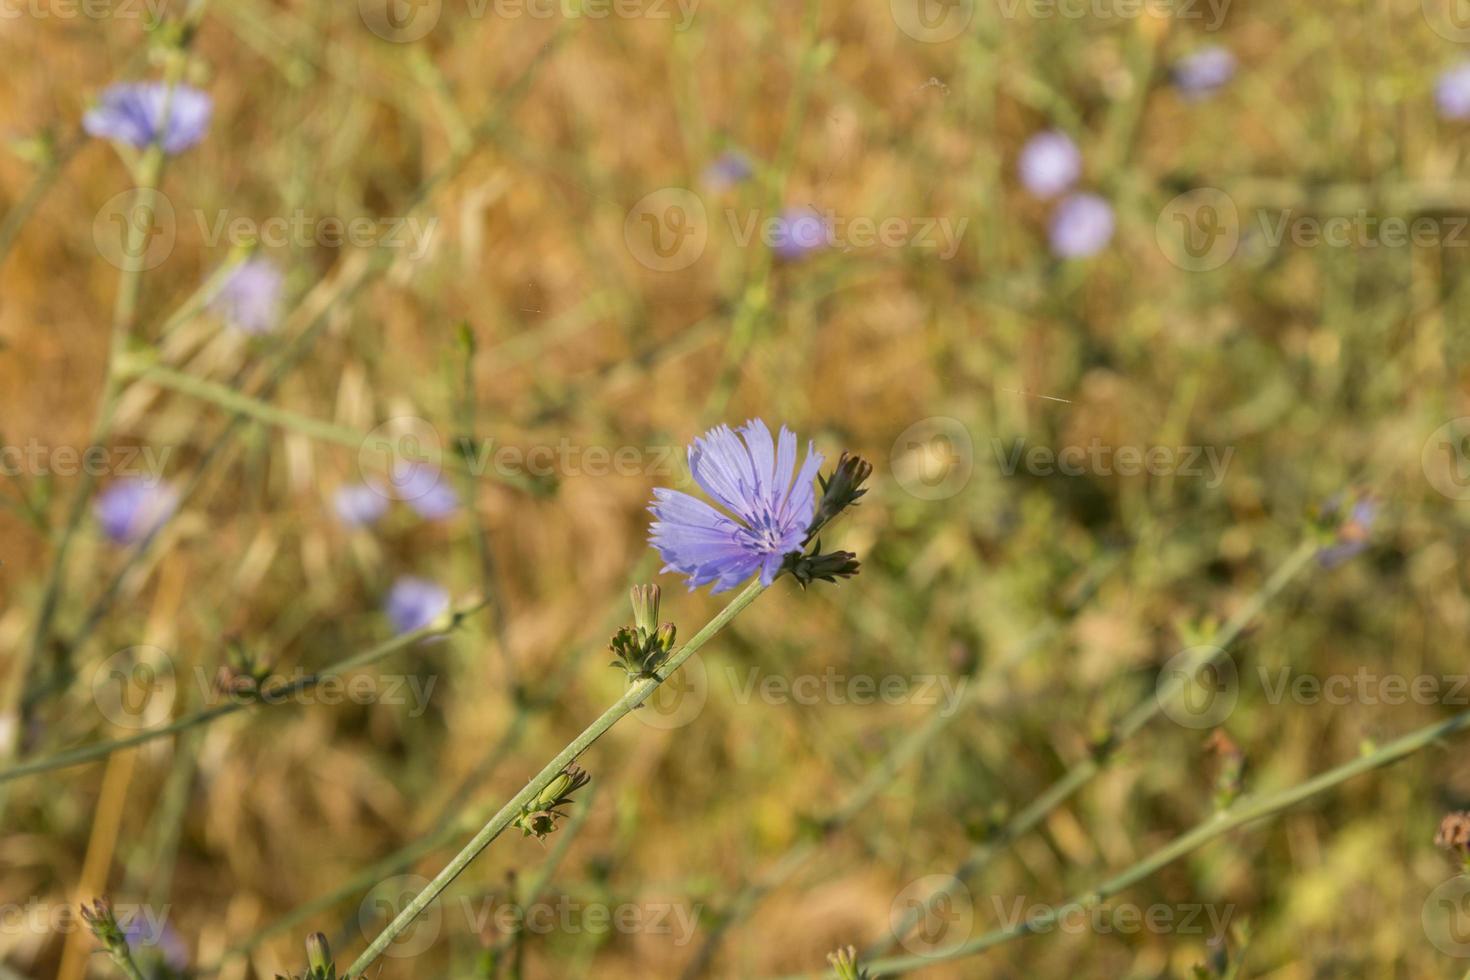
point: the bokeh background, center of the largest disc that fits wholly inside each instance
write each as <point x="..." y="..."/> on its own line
<point x="546" y="152"/>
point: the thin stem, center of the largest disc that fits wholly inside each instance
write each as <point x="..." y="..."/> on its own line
<point x="877" y="780"/>
<point x="271" y="696"/>
<point x="636" y="695"/>
<point x="1244" y="812"/>
<point x="253" y="408"/>
<point x="1085" y="771"/>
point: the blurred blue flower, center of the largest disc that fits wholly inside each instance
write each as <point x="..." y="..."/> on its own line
<point x="164" y="947"/>
<point x="1050" y="163"/>
<point x="250" y="299"/>
<point x="414" y="603"/>
<point x="1201" y="73"/>
<point x="132" y="113"/>
<point x="797" y="233"/>
<point x="753" y="481"/>
<point x="423" y="488"/>
<point x="727" y="170"/>
<point x="130" y="509"/>
<point x="1452" y="92"/>
<point x="360" y="504"/>
<point x="1353" y="534"/>
<point x="1082" y="225"/>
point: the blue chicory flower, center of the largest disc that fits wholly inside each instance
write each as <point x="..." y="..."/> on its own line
<point x="1050" y="163"/>
<point x="414" y="603"/>
<point x="360" y="504"/>
<point x="1082" y="225"/>
<point x="1201" y="73"/>
<point x="753" y="481"/>
<point x="250" y="299"/>
<point x="161" y="943"/>
<point x="130" y="509"/>
<point x="797" y="233"/>
<point x="1353" y="535"/>
<point x="727" y="170"/>
<point x="1452" y="92"/>
<point x="132" y="113"/>
<point x="423" y="488"/>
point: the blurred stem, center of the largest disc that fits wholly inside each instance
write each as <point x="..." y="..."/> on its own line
<point x="149" y="175"/>
<point x="636" y="695"/>
<point x="242" y="404"/>
<point x="877" y="780"/>
<point x="1247" y="811"/>
<point x="270" y="696"/>
<point x="755" y="298"/>
<point x="1084" y="772"/>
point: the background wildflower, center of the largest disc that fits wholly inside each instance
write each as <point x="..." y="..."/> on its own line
<point x="1452" y="92"/>
<point x="359" y="504"/>
<point x="727" y="170"/>
<point x="414" y="603"/>
<point x="424" y="488"/>
<point x="1082" y="225"/>
<point x="797" y="233"/>
<point x="250" y="300"/>
<point x="1050" y="163"/>
<point x="130" y="509"/>
<point x="132" y="113"/>
<point x="1201" y="73"/>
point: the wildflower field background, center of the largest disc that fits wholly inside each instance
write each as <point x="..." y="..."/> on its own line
<point x="1192" y="379"/>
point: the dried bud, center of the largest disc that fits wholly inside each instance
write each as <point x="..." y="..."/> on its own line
<point x="828" y="568"/>
<point x="840" y="490"/>
<point x="1454" y="834"/>
<point x="1230" y="779"/>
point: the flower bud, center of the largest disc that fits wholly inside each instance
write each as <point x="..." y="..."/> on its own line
<point x="318" y="954"/>
<point x="845" y="965"/>
<point x="645" y="608"/>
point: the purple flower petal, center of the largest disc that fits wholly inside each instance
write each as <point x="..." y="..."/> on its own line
<point x="1082" y="225"/>
<point x="749" y="474"/>
<point x="130" y="509"/>
<point x="360" y="504"/>
<point x="414" y="603"/>
<point x="1050" y="163"/>
<point x="1201" y="73"/>
<point x="727" y="170"/>
<point x="250" y="300"/>
<point x="132" y="113"/>
<point x="424" y="488"/>
<point x="798" y="232"/>
<point x="1452" y="92"/>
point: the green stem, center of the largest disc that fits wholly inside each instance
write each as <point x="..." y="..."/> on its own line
<point x="1084" y="772"/>
<point x="636" y="695"/>
<point x="275" y="695"/>
<point x="1247" y="811"/>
